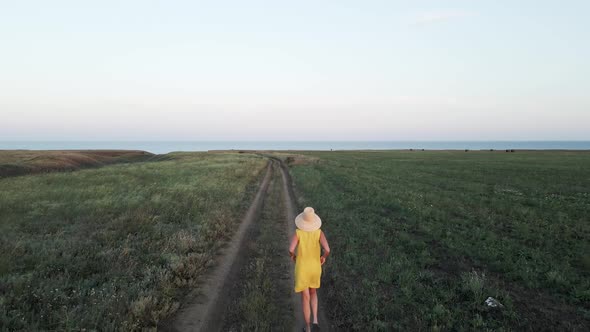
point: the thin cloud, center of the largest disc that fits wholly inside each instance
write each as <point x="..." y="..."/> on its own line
<point x="436" y="16"/>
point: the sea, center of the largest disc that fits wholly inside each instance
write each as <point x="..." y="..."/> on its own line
<point x="162" y="147"/>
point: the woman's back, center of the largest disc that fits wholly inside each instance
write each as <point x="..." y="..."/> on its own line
<point x="309" y="245"/>
<point x="308" y="268"/>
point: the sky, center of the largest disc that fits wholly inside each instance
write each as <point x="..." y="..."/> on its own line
<point x="295" y="70"/>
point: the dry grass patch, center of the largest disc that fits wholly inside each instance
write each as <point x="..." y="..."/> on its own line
<point x="20" y="162"/>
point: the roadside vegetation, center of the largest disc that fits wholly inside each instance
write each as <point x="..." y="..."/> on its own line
<point x="114" y="248"/>
<point x="21" y="162"/>
<point x="261" y="297"/>
<point x="421" y="239"/>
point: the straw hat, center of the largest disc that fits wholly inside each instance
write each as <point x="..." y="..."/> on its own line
<point x="308" y="221"/>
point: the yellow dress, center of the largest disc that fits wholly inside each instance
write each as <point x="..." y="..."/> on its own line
<point x="308" y="268"/>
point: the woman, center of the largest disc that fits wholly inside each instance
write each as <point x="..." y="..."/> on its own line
<point x="308" y="263"/>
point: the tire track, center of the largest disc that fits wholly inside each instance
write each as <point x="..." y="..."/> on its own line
<point x="290" y="205"/>
<point x="204" y="311"/>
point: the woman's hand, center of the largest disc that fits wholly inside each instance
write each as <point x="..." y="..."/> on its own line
<point x="322" y="260"/>
<point x="293" y="256"/>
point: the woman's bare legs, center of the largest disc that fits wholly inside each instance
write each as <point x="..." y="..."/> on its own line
<point x="313" y="294"/>
<point x="306" y="309"/>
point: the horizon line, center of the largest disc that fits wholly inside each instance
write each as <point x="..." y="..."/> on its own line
<point x="317" y="140"/>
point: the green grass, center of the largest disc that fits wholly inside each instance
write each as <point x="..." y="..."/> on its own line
<point x="421" y="239"/>
<point x="261" y="300"/>
<point x="113" y="247"/>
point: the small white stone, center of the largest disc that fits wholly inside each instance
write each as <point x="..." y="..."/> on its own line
<point x="492" y="302"/>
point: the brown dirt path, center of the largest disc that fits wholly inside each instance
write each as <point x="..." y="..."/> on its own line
<point x="261" y="301"/>
<point x="203" y="310"/>
<point x="289" y="197"/>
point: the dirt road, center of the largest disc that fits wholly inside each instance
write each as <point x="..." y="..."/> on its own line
<point x="207" y="308"/>
<point x="202" y="310"/>
<point x="290" y="207"/>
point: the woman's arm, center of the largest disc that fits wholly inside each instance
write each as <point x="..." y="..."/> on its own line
<point x="294" y="242"/>
<point x="326" y="246"/>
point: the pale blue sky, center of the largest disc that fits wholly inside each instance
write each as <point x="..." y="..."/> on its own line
<point x="289" y="70"/>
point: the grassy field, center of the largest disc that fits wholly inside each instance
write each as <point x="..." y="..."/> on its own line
<point x="420" y="239"/>
<point x="114" y="247"/>
<point x="21" y="162"/>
